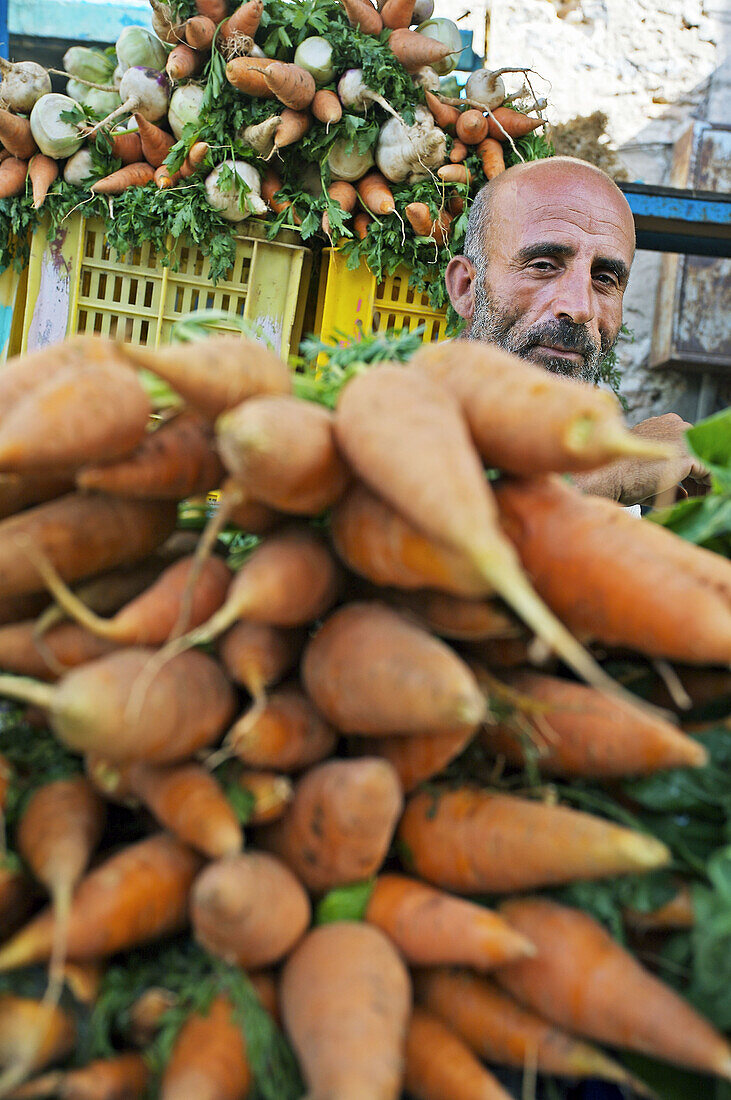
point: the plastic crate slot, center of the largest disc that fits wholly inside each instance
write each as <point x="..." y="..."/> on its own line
<point x="117" y="289"/>
<point x="411" y="295"/>
<point x="90" y="243"/>
<point x="144" y="332"/>
<point x="149" y="293"/>
<point x="133" y="285"/>
<point x="101" y="286"/>
<point x="85" y="283"/>
<point x="81" y="319"/>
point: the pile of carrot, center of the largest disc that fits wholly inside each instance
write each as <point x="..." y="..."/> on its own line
<point x="288" y="814"/>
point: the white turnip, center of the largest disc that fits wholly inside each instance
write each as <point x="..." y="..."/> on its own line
<point x="87" y="64"/>
<point x="165" y="25"/>
<point x="52" y="135"/>
<point x="185" y="106"/>
<point x="423" y="10"/>
<point x="79" y="169"/>
<point x="139" y="48"/>
<point x="225" y="195"/>
<point x="315" y="56"/>
<point x="23" y="85"/>
<point x="144" y="91"/>
<point x="346" y="163"/>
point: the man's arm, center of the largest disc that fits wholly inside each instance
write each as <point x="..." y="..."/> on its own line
<point x="634" y="481"/>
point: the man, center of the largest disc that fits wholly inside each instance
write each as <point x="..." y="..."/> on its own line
<point x="548" y="252"/>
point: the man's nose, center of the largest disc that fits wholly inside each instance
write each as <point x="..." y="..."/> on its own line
<point x="574" y="298"/>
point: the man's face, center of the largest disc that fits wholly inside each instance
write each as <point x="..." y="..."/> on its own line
<point x="554" y="271"/>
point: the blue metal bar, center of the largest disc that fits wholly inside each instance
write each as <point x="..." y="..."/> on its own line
<point x="4" y="43"/>
<point x="669" y="219"/>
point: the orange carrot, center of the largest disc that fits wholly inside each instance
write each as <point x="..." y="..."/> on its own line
<point x="403" y="436"/>
<point x="249" y="910"/>
<point x="156" y="143"/>
<point x="439" y="1066"/>
<point x="66" y="646"/>
<point x="326" y="107"/>
<point x="582" y="733"/>
<point x="247" y="76"/>
<point x="361" y="221"/>
<point x="375" y="193"/>
<point x="172" y="463"/>
<point x="187" y="704"/>
<point x="213" y="9"/>
<point x="131" y="175"/>
<point x="16" y="136"/>
<point x="183" y="62"/>
<point x="353" y="1045"/>
<point x="80" y="535"/>
<point x="339" y="824"/>
<point x="24" y="373"/>
<point x="286" y="733"/>
<point x="121" y="1077"/>
<point x="498" y="653"/>
<point x="457" y="617"/>
<point x="145" y="1015"/>
<point x="51" y="427"/>
<point x="13" y="174"/>
<point x="345" y="195"/>
<point x="397" y="13"/>
<point x="678" y="912"/>
<point x="292" y="128"/>
<point x="416" y="759"/>
<point x="458" y="152"/>
<point x="292" y="85"/>
<point x="17" y="895"/>
<point x="431" y="928"/>
<point x="244" y="21"/>
<point x="423" y="686"/>
<point x="576" y="426"/>
<point x="500" y="1030"/>
<point x="15" y="609"/>
<point x="127" y="146"/>
<point x="598" y="579"/>
<point x="492" y="157"/>
<point x="42" y="171"/>
<point x="257" y="655"/>
<point x="415" y="50"/>
<point x="362" y="15"/>
<point x="163" y="179"/>
<point x="504" y="122"/>
<point x="199" y="32"/>
<point x="445" y="116"/>
<point x="471" y="127"/>
<point x="216" y="374"/>
<point x="19" y="491"/>
<point x="472" y="841"/>
<point x="269" y="792"/>
<point x="33" y="1034"/>
<point x="137" y="895"/>
<point x="281" y="450"/>
<point x="424" y="225"/>
<point x="375" y="541"/>
<point x="581" y="979"/>
<point x="455" y="173"/>
<point x="195" y="159"/>
<point x="208" y="1058"/>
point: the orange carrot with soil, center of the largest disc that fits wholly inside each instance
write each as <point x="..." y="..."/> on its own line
<point x="403" y="436"/>
<point x="155" y="142"/>
<point x="472" y="841"/>
<point x="504" y="122"/>
<point x="33" y="1034"/>
<point x="92" y="709"/>
<point x="583" y="980"/>
<point x="455" y="173"/>
<point x="458" y="152"/>
<point x="492" y="157"/>
<point x="244" y="20"/>
<point x="23" y="374"/>
<point x="419" y="215"/>
<point x="19" y="491"/>
<point x="416" y="759"/>
<point x="121" y="1077"/>
<point x="373" y="539"/>
<point x="216" y="374"/>
<point x="270" y="794"/>
<point x="678" y="912"/>
<point x="353" y="1045"/>
<point x="176" y="461"/>
<point x="345" y="195"/>
<point x="257" y="655"/>
<point x="580" y="733"/>
<point x="16" y="135"/>
<point x="64" y="647"/>
<point x="209" y="1059"/>
<point x="292" y="85"/>
<point x="213" y="9"/>
<point x="13" y="174"/>
<point x="423" y="687"/>
<point x="292" y="128"/>
<point x="151" y="617"/>
<point x="361" y="221"/>
<point x="439" y="1066"/>
<point x="339" y="824"/>
<point x="282" y="451"/>
<point x="286" y="733"/>
<point x="445" y="115"/>
<point x="80" y="536"/>
<point x="375" y="193"/>
<point x="574" y="426"/>
<point x="326" y="107"/>
<point x="17" y="895"/>
<point x="199" y="32"/>
<point x="195" y="159"/>
<point x="457" y="617"/>
<point x="247" y="75"/>
<point x="500" y="1030"/>
<point x="597" y="579"/>
<point x="432" y="928"/>
<point x="137" y="895"/>
<point x="131" y="175"/>
<point x="249" y="910"/>
<point x="363" y="16"/>
<point x="42" y="171"/>
<point x="183" y="62"/>
<point x="397" y="13"/>
<point x="471" y="127"/>
<point x="127" y="146"/>
<point x="415" y="50"/>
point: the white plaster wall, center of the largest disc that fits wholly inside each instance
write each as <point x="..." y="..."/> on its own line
<point x="651" y="66"/>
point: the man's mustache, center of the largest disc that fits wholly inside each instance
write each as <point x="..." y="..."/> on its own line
<point x="565" y="334"/>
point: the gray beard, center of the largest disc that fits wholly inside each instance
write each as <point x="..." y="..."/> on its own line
<point x="493" y="325"/>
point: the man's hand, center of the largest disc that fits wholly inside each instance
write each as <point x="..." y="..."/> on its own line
<point x="633" y="480"/>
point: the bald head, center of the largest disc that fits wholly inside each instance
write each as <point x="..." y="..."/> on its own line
<point x="547" y="256"/>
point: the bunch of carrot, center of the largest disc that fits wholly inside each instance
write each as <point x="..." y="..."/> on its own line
<point x="285" y="782"/>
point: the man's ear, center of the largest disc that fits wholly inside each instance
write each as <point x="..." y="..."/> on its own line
<point x="459" y="278"/>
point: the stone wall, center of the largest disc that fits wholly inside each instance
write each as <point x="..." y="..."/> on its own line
<point x="651" y="66"/>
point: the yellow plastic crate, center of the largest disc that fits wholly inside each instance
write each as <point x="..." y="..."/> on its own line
<point x="12" y="311"/>
<point x="354" y="302"/>
<point x="77" y="284"/>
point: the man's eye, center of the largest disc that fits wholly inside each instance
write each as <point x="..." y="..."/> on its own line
<point x="543" y="265"/>
<point x="607" y="277"/>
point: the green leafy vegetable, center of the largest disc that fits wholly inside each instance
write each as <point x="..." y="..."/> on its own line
<point x="345" y="903"/>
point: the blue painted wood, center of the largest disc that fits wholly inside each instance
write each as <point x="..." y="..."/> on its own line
<point x="80" y="20"/>
<point x="4" y="43"/>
